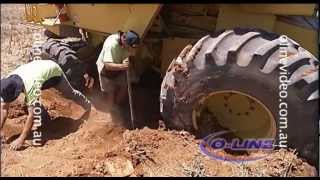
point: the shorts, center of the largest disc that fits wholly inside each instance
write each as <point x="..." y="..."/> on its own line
<point x="110" y="84"/>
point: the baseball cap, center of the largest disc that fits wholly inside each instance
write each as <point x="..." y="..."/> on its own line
<point x="132" y="38"/>
<point x="11" y="87"/>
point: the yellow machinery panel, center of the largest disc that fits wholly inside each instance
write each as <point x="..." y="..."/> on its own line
<point x="307" y="38"/>
<point x="258" y="16"/>
<point x="230" y="17"/>
<point x="280" y="9"/>
<point x="141" y="18"/>
<point x="171" y="49"/>
<point x="105" y="18"/>
<point x="38" y="12"/>
<point x="47" y="10"/>
<point x="191" y="9"/>
<point x="109" y="18"/>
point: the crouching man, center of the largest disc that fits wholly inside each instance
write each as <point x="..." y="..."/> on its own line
<point x="30" y="79"/>
<point x="113" y="63"/>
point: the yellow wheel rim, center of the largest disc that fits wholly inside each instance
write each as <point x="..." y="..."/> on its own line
<point x="241" y="113"/>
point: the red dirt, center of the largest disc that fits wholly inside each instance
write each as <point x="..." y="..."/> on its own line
<point x="91" y="148"/>
<point x="18" y="109"/>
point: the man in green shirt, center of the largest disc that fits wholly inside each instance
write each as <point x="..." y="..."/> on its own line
<point x="113" y="63"/>
<point x="31" y="78"/>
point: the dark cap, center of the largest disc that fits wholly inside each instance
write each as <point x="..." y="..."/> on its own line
<point x="132" y="38"/>
<point x="11" y="88"/>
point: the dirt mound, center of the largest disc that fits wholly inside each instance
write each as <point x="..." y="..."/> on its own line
<point x="99" y="146"/>
<point x="173" y="153"/>
<point x="17" y="109"/>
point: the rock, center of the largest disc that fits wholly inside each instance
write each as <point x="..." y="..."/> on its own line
<point x="119" y="166"/>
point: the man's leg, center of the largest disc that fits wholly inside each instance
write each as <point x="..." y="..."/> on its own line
<point x="121" y="95"/>
<point x="108" y="87"/>
<point x="111" y="97"/>
<point x="67" y="91"/>
<point x="122" y="92"/>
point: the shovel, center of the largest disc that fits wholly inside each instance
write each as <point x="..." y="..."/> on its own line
<point x="130" y="94"/>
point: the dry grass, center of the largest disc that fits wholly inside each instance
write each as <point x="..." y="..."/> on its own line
<point x="195" y="169"/>
<point x="16" y="37"/>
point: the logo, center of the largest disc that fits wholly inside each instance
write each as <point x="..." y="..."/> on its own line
<point x="250" y="149"/>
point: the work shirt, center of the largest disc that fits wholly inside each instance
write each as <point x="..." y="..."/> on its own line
<point x="112" y="52"/>
<point x="34" y="74"/>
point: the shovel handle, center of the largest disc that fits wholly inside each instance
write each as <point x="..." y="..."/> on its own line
<point x="130" y="95"/>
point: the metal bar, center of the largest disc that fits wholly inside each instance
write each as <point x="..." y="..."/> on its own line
<point x="130" y="96"/>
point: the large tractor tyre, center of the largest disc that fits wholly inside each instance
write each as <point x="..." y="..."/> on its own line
<point x="231" y="80"/>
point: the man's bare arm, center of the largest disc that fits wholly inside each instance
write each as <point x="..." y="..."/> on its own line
<point x="28" y="124"/>
<point x="17" y="144"/>
<point x="4" y="113"/>
<point x="116" y="67"/>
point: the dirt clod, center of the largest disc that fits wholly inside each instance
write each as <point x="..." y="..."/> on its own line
<point x="17" y="109"/>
